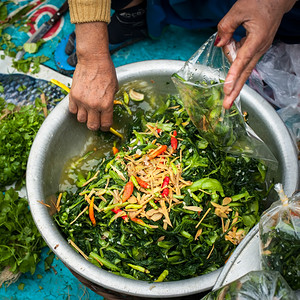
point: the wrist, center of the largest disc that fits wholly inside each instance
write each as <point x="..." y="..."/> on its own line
<point x="92" y="40"/>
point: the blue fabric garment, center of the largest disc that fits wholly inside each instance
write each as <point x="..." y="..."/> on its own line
<point x="200" y="14"/>
<point x="289" y="30"/>
<point x="190" y="14"/>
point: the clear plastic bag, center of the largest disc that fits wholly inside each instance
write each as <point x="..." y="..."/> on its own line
<point x="279" y="231"/>
<point x="266" y="285"/>
<point x="290" y="115"/>
<point x="200" y="84"/>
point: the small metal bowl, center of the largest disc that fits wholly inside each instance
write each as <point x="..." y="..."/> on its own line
<point x="61" y="137"/>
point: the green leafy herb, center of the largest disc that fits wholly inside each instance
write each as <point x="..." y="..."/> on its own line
<point x="49" y="260"/>
<point x="20" y="240"/>
<point x="31" y="64"/>
<point x="18" y="128"/>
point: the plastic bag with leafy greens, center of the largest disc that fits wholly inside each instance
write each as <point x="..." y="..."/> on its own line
<point x="279" y="231"/>
<point x="200" y="84"/>
<point x="267" y="285"/>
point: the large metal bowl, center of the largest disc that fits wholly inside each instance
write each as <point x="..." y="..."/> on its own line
<point x="61" y="137"/>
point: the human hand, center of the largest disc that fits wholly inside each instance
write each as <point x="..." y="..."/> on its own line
<point x="261" y="20"/>
<point x="94" y="81"/>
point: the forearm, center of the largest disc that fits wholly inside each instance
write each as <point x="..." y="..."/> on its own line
<point x="94" y="81"/>
<point x="92" y="42"/>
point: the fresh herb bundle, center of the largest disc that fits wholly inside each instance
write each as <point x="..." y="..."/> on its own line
<point x="167" y="205"/>
<point x="18" y="128"/>
<point x="21" y="242"/>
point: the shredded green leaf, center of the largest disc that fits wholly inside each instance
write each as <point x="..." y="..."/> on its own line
<point x="197" y="238"/>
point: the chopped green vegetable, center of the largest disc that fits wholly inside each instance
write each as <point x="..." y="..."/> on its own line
<point x="280" y="238"/>
<point x="283" y="254"/>
<point x="30" y="47"/>
<point x="203" y="100"/>
<point x="180" y="224"/>
<point x="254" y="285"/>
<point x="136" y="96"/>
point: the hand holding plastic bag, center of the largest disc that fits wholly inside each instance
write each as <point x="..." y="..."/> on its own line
<point x="266" y="285"/>
<point x="200" y="84"/>
<point x="279" y="230"/>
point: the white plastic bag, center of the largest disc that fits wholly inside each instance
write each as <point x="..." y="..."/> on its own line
<point x="277" y="75"/>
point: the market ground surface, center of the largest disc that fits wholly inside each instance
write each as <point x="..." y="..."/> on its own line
<point x="58" y="282"/>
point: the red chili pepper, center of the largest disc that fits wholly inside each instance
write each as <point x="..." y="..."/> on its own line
<point x="158" y="130"/>
<point x="115" y="150"/>
<point x="142" y="183"/>
<point x="117" y="210"/>
<point x="128" y="190"/>
<point x="91" y="212"/>
<point x="158" y="151"/>
<point x="295" y="214"/>
<point x="165" y="192"/>
<point x="139" y="221"/>
<point x="174" y="141"/>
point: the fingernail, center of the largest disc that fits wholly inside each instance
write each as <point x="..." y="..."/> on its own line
<point x="217" y="40"/>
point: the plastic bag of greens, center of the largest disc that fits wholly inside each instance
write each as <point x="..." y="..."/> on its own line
<point x="279" y="231"/>
<point x="200" y="84"/>
<point x="267" y="285"/>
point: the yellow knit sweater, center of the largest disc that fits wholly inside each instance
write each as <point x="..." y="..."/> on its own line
<point x="83" y="11"/>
